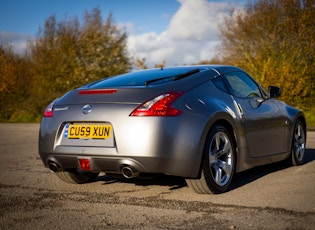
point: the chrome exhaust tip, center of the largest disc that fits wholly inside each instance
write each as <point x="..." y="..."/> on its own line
<point x="129" y="172"/>
<point x="53" y="167"/>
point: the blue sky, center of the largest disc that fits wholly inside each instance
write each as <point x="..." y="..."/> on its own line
<point x="26" y="16"/>
<point x="178" y="31"/>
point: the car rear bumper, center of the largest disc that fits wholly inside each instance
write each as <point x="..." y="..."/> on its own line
<point x="115" y="164"/>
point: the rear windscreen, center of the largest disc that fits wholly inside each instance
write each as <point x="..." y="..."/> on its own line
<point x="139" y="78"/>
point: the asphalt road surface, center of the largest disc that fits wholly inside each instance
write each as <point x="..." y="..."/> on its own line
<point x="268" y="197"/>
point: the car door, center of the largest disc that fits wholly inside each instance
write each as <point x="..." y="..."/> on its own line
<point x="263" y="121"/>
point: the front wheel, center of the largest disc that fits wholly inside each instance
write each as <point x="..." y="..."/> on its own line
<point x="74" y="176"/>
<point x="298" y="144"/>
<point x="218" y="164"/>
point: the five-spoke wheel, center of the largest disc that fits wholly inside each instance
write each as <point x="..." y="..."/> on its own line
<point x="218" y="163"/>
<point x="221" y="158"/>
<point x="298" y="144"/>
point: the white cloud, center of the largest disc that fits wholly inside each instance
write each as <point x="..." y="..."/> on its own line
<point x="195" y="20"/>
<point x="17" y="41"/>
<point x="191" y="36"/>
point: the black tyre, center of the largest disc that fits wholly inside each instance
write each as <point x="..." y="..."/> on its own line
<point x="218" y="164"/>
<point x="298" y="144"/>
<point x="76" y="177"/>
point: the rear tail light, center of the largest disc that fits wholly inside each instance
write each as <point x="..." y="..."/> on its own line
<point x="161" y="105"/>
<point x="49" y="111"/>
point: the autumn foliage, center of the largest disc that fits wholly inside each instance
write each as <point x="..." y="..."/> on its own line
<point x="274" y="40"/>
<point x="64" y="55"/>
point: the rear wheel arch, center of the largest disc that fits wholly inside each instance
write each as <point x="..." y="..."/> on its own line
<point x="230" y="128"/>
<point x="207" y="182"/>
<point x="302" y="119"/>
<point x="225" y="123"/>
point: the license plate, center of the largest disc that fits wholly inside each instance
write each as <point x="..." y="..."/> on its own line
<point x="88" y="131"/>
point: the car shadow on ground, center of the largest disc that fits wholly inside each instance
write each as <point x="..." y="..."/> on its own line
<point x="253" y="174"/>
<point x="173" y="182"/>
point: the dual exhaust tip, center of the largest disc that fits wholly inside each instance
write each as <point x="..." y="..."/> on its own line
<point x="127" y="171"/>
<point x="54" y="167"/>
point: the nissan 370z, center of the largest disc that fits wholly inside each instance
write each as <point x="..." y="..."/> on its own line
<point x="202" y="123"/>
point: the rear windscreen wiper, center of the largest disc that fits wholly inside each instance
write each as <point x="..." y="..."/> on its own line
<point x="191" y="72"/>
<point x="154" y="80"/>
<point x="174" y="78"/>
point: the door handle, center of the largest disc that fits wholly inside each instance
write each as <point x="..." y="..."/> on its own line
<point x="240" y="110"/>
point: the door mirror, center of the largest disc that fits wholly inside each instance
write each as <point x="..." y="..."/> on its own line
<point x="274" y="91"/>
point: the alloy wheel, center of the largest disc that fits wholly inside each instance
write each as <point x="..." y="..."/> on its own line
<point x="221" y="158"/>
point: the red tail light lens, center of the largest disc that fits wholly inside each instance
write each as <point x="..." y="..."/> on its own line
<point x="85" y="164"/>
<point x="49" y="111"/>
<point x="161" y="105"/>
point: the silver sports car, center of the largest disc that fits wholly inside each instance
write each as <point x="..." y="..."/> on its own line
<point x="203" y="123"/>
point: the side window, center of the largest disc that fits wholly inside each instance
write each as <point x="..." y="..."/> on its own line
<point x="241" y="85"/>
<point x="218" y="82"/>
